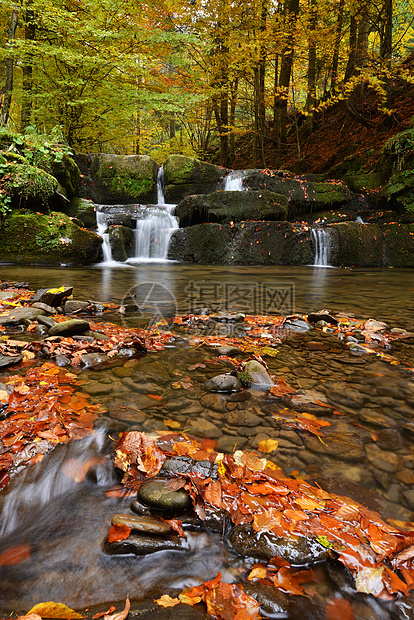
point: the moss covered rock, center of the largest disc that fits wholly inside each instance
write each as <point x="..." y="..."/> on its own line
<point x="54" y="239"/>
<point x="123" y="179"/>
<point x="226" y="207"/>
<point x="121" y="240"/>
<point x="359" y="245"/>
<point x="85" y="210"/>
<point x="184" y="176"/>
<point x="67" y="173"/>
<point x="303" y="196"/>
<point x="28" y="186"/>
<point x="399" y="245"/>
<point x="244" y="243"/>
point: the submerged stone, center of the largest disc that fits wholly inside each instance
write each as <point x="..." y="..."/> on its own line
<point x="260" y="378"/>
<point x="223" y="383"/>
<point x="67" y="328"/>
<point x="140" y="544"/>
<point x="149" y="525"/>
<point x="156" y="494"/>
<point x="18" y="315"/>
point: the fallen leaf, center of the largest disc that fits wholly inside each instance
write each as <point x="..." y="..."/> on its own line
<point x="121" y="615"/>
<point x="268" y="445"/>
<point x="172" y="423"/>
<point x="118" y="533"/>
<point x="15" y="555"/>
<point x="167" y="601"/>
<point x="54" y="610"/>
<point x="104" y="613"/>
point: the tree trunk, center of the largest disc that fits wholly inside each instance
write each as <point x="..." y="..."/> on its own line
<point x="281" y="100"/>
<point x="386" y="33"/>
<point x="311" y="94"/>
<point x="335" y="57"/>
<point x="9" y="66"/>
<point x="350" y="67"/>
<point x="361" y="55"/>
<point x="27" y="95"/>
<point x="233" y="102"/>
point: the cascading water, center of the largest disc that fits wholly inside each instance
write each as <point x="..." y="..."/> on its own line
<point x="153" y="231"/>
<point x="322" y="242"/>
<point x="102" y="225"/>
<point x="234" y="181"/>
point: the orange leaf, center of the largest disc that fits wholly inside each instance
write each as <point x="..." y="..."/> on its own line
<point x="339" y="609"/>
<point x="268" y="445"/>
<point x="54" y="610"/>
<point x="104" y="613"/>
<point x="156" y="396"/>
<point x="167" y="601"/>
<point x="15" y="555"/>
<point x="117" y="533"/>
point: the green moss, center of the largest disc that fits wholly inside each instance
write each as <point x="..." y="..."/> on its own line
<point x="27" y="237"/>
<point x="244" y="378"/>
<point x="178" y="169"/>
<point x="354" y="244"/>
<point x="399" y="245"/>
<point x="28" y="184"/>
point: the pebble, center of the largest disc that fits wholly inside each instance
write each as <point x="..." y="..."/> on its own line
<point x="139" y="544"/>
<point x="147" y="524"/>
<point x="223" y="383"/>
<point x="260" y="378"/>
<point x="48" y="309"/>
<point x="216" y="402"/>
<point x="154" y="493"/>
<point x="204" y="428"/>
<point x="67" y="328"/>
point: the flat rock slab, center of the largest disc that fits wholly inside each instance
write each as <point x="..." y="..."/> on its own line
<point x="156" y="494"/>
<point x="9" y="360"/>
<point x="143" y="544"/>
<point x="148" y="525"/>
<point x="52" y="297"/>
<point x="17" y="315"/>
<point x="67" y="328"/>
<point x="223" y="383"/>
<point x="41" y="306"/>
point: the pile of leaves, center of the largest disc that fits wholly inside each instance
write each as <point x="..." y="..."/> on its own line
<point x="44" y="408"/>
<point x="254" y="490"/>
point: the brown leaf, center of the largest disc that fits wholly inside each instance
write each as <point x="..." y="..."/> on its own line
<point x="167" y="601"/>
<point x="104" y="613"/>
<point x="121" y="615"/>
<point x="54" y="610"/>
<point x="15" y="555"/>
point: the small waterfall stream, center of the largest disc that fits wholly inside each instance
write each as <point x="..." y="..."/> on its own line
<point x="322" y="242"/>
<point x="154" y="226"/>
<point x="234" y="181"/>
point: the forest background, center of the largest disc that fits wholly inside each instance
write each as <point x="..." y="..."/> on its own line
<point x="246" y="83"/>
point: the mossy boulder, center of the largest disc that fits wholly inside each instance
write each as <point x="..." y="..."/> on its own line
<point x="226" y="207"/>
<point x="123" y="179"/>
<point x="28" y="186"/>
<point x="184" y="176"/>
<point x="67" y="173"/>
<point x="399" y="245"/>
<point x="33" y="238"/>
<point x="244" y="243"/>
<point x="121" y="240"/>
<point x="362" y="182"/>
<point x="304" y="196"/>
<point x="85" y="210"/>
<point x="359" y="245"/>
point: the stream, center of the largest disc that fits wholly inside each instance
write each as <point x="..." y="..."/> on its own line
<point x="367" y="453"/>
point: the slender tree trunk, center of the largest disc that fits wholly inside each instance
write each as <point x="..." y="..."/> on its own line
<point x="234" y="85"/>
<point x="261" y="85"/>
<point x="281" y="101"/>
<point x="338" y="34"/>
<point x="29" y="35"/>
<point x="361" y="55"/>
<point x="9" y="71"/>
<point x="311" y="95"/>
<point x="353" y="30"/>
<point x="386" y="33"/>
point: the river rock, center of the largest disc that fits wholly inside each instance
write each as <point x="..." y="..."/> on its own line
<point x="314" y="317"/>
<point x="140" y="544"/>
<point x="260" y="378"/>
<point x="18" y="315"/>
<point x="339" y="441"/>
<point x="223" y="383"/>
<point x="47" y="321"/>
<point x="67" y="328"/>
<point x="41" y="330"/>
<point x="149" y="525"/>
<point x="231" y="443"/>
<point x="51" y="298"/>
<point x="203" y="428"/>
<point x="272" y="601"/>
<point x="266" y="545"/>
<point x="244" y="418"/>
<point x="155" y="493"/>
<point x="90" y="360"/>
<point x="41" y="306"/>
<point x="73" y="305"/>
<point x="216" y="402"/>
<point x="9" y="360"/>
<point x="185" y="465"/>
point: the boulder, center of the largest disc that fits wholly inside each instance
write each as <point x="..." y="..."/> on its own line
<point x="260" y="378"/>
<point x="304" y="196"/>
<point x="29" y="187"/>
<point x="52" y="297"/>
<point x="123" y="179"/>
<point x="355" y="244"/>
<point x="156" y="494"/>
<point x="226" y="207"/>
<point x="142" y="544"/>
<point x="85" y="210"/>
<point x="52" y="239"/>
<point x="67" y="328"/>
<point x="399" y="245"/>
<point x="184" y="176"/>
<point x="67" y="173"/>
<point x="121" y="240"/>
<point x="223" y="383"/>
<point x="244" y="243"/>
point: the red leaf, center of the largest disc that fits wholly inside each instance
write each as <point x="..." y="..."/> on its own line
<point x="117" y="533"/>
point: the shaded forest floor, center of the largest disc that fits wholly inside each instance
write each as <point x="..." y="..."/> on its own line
<point x="338" y="136"/>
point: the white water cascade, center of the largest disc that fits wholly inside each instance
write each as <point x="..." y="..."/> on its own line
<point x="322" y="242"/>
<point x="102" y="224"/>
<point x="234" y="181"/>
<point x="153" y="231"/>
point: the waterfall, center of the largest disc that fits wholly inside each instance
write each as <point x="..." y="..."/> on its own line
<point x="102" y="224"/>
<point x="234" y="181"/>
<point x="154" y="228"/>
<point x="322" y="242"/>
<point x="360" y="220"/>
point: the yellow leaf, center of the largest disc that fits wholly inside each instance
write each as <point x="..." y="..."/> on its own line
<point x="257" y="573"/>
<point x="187" y="600"/>
<point x="3" y="396"/>
<point x="28" y="355"/>
<point x="55" y="291"/>
<point x="54" y="610"/>
<point x="268" y="445"/>
<point x="167" y="601"/>
<point x="172" y="423"/>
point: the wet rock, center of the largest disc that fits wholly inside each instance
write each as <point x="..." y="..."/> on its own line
<point x="140" y="544"/>
<point x="47" y="321"/>
<point x="128" y="414"/>
<point x="296" y="550"/>
<point x="389" y="439"/>
<point x="313" y="345"/>
<point x="45" y="307"/>
<point x="67" y="328"/>
<point x="155" y="493"/>
<point x="214" y="402"/>
<point x="148" y="610"/>
<point x="271" y="600"/>
<point x="314" y="317"/>
<point x="9" y="360"/>
<point x="244" y="418"/>
<point x="91" y="360"/>
<point x="121" y="371"/>
<point x="374" y="416"/>
<point x="175" y="404"/>
<point x="97" y="335"/>
<point x="230" y="351"/>
<point x="230" y="443"/>
<point x="239" y="397"/>
<point x="296" y="325"/>
<point x="185" y="464"/>
<point x="338" y="441"/>
<point x="146" y="524"/>
<point x="223" y="383"/>
<point x="52" y="297"/>
<point x="260" y="378"/>
<point x="96" y="389"/>
<point x="152" y="371"/>
<point x="18" y="315"/>
<point x="62" y="360"/>
<point x="342" y="394"/>
<point x="72" y="305"/>
<point x="40" y="330"/>
<point x="386" y="461"/>
<point x="204" y="428"/>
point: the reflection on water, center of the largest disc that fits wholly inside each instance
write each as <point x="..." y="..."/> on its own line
<point x="386" y="294"/>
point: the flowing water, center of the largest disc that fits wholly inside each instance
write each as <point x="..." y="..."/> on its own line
<point x="322" y="242"/>
<point x="65" y="521"/>
<point x="234" y="181"/>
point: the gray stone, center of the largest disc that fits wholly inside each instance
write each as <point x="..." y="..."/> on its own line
<point x="272" y="601"/>
<point x="47" y="321"/>
<point x="155" y="493"/>
<point x="9" y="360"/>
<point x="244" y="418"/>
<point x="46" y="296"/>
<point x="260" y="378"/>
<point x="18" y="315"/>
<point x="40" y="330"/>
<point x="72" y="305"/>
<point x="229" y="444"/>
<point x="97" y="335"/>
<point x="128" y="414"/>
<point x="149" y="525"/>
<point x="68" y="328"/>
<point x="409" y="496"/>
<point x="204" y="428"/>
<point x="216" y="402"/>
<point x="266" y="545"/>
<point x="140" y="544"/>
<point x="223" y="383"/>
<point x="96" y="389"/>
<point x="40" y="306"/>
<point x="62" y="360"/>
<point x="89" y="360"/>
